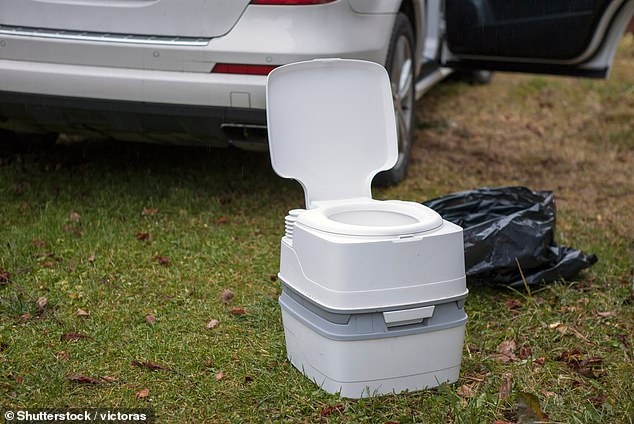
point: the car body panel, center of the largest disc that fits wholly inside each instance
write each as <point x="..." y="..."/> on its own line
<point x="188" y="18"/>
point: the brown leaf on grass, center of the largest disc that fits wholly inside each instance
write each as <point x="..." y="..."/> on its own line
<point x="513" y="304"/>
<point x="150" y="319"/>
<point x="25" y="317"/>
<point x="221" y="220"/>
<point x="142" y="236"/>
<point x="529" y="410"/>
<point x="548" y="394"/>
<point x="506" y="351"/>
<point x="40" y="244"/>
<point x="62" y="355"/>
<point x="19" y="379"/>
<point x="392" y="422"/>
<point x="597" y="401"/>
<point x="332" y="409"/>
<point x="220" y="375"/>
<point x="607" y="314"/>
<point x="237" y="311"/>
<point x="226" y="296"/>
<point x="41" y="303"/>
<point x="505" y="388"/>
<point x="525" y="352"/>
<point x="82" y="314"/>
<point x="465" y="391"/>
<point x="143" y="393"/>
<point x="152" y="366"/>
<point x="163" y="260"/>
<point x="212" y="324"/>
<point x="5" y="277"/>
<point x="148" y="212"/>
<point x="73" y="337"/>
<point x="82" y="379"/>
<point x="74" y="217"/>
<point x="109" y="379"/>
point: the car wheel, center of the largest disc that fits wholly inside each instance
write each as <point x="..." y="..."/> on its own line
<point x="400" y="66"/>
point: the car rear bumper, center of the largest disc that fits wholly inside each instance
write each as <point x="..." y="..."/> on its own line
<point x="134" y="120"/>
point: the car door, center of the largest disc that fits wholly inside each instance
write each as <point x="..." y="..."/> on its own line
<point x="566" y="37"/>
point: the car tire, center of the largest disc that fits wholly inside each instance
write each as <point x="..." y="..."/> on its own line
<point x="400" y="65"/>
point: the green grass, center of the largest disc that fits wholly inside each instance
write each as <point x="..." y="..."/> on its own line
<point x="219" y="217"/>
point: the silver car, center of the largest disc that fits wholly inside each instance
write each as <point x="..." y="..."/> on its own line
<point x="194" y="71"/>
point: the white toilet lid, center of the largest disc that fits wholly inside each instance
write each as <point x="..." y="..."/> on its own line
<point x="331" y="126"/>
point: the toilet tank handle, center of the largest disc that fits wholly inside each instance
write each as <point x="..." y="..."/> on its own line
<point x="407" y="316"/>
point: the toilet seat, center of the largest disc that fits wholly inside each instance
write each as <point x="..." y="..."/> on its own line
<point x="369" y="217"/>
<point x="332" y="127"/>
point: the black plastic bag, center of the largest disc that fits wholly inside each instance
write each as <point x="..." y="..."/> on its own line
<point x="506" y="225"/>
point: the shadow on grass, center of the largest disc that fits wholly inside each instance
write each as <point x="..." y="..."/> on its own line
<point x="116" y="170"/>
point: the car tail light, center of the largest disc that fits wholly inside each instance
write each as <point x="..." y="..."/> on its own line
<point x="290" y="2"/>
<point x="239" y="68"/>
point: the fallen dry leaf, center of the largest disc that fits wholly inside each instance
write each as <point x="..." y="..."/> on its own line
<point x="142" y="236"/>
<point x="82" y="379"/>
<point x="597" y="400"/>
<point x="109" y="379"/>
<point x="25" y="317"/>
<point x="143" y="393"/>
<point x="505" y="388"/>
<point x="5" y="277"/>
<point x="237" y="311"/>
<point x="222" y="220"/>
<point x="150" y="319"/>
<point x="163" y="260"/>
<point x="212" y="324"/>
<point x="220" y="375"/>
<point x="548" y="394"/>
<point x="73" y="336"/>
<point x="332" y="409"/>
<point x="40" y="244"/>
<point x="152" y="366"/>
<point x="465" y="391"/>
<point x="506" y="351"/>
<point x="513" y="304"/>
<point x="74" y="217"/>
<point x="62" y="355"/>
<point x="147" y="212"/>
<point x="226" y="296"/>
<point x="19" y="379"/>
<point x="525" y="352"/>
<point x="41" y="303"/>
<point x="607" y="314"/>
<point x="82" y="314"/>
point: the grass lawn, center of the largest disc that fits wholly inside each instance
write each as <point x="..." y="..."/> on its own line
<point x="114" y="258"/>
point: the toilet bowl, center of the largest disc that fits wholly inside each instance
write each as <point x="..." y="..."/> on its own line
<point x="369" y="217"/>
